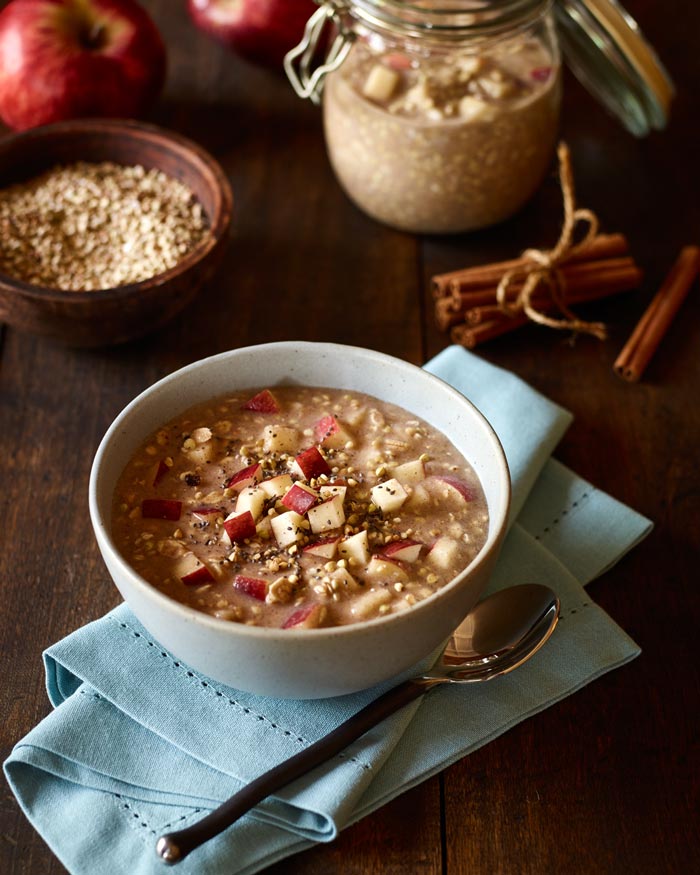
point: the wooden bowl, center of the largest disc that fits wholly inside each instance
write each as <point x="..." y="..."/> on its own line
<point x="110" y="316"/>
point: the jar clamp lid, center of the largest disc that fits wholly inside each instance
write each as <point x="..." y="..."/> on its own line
<point x="609" y="55"/>
<point x="602" y="44"/>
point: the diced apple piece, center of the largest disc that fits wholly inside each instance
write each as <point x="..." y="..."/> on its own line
<point x="331" y="489"/>
<point x="327" y="516"/>
<point x="384" y="568"/>
<point x="324" y="548"/>
<point x="311" y="463"/>
<point x="540" y="74"/>
<point x="397" y="61"/>
<point x="456" y="487"/>
<point x="473" y="109"/>
<point x="205" y="513"/>
<point x="263" y="528"/>
<point x="160" y="469"/>
<point x="343" y="581"/>
<point x="331" y="433"/>
<point x="405" y="550"/>
<point x="419" y="499"/>
<point x="288" y="528"/>
<point x="356" y="547"/>
<point x="389" y="496"/>
<point x="354" y="416"/>
<point x="280" y="439"/>
<point x="307" y="617"/>
<point x="192" y="571"/>
<point x="443" y="553"/>
<point x="368" y="604"/>
<point x="252" y="586"/>
<point x="263" y="402"/>
<point x="161" y="509"/>
<point x="410" y="473"/>
<point x="238" y="527"/>
<point x="380" y="83"/>
<point x="277" y="486"/>
<point x="252" y="499"/>
<point x="245" y="477"/>
<point x="300" y="498"/>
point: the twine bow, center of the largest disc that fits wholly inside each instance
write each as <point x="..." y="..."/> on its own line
<point x="542" y="267"/>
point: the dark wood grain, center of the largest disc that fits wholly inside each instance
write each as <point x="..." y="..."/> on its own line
<point x="605" y="781"/>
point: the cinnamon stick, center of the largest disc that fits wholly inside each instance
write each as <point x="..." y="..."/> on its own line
<point x="651" y="328"/>
<point x="574" y="281"/>
<point x="453" y="309"/>
<point x="601" y="247"/>
<point x="471" y="336"/>
<point x="580" y="294"/>
<point x="570" y="271"/>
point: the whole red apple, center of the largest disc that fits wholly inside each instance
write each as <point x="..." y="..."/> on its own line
<point x="263" y="31"/>
<point x="63" y="59"/>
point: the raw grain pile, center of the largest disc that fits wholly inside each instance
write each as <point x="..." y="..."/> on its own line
<point x="88" y="226"/>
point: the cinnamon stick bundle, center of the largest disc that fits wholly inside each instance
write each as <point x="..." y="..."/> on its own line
<point x="603" y="246"/>
<point x="467" y="301"/>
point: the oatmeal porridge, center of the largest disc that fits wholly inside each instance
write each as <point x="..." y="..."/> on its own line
<point x="298" y="507"/>
<point x="447" y="141"/>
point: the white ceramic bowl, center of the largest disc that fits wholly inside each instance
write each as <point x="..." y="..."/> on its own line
<point x="303" y="663"/>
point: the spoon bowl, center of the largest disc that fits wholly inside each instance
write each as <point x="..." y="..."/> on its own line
<point x="502" y="632"/>
<point x="498" y="635"/>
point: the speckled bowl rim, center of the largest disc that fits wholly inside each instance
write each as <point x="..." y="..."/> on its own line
<point x="497" y="524"/>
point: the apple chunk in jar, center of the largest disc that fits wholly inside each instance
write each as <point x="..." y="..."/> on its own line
<point x="298" y="507"/>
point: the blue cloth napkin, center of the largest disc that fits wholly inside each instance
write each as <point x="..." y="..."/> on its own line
<point x="137" y="744"/>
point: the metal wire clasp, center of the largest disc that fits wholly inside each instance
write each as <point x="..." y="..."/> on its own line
<point x="307" y="82"/>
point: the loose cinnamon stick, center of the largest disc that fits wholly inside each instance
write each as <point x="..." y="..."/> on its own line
<point x="651" y="328"/>
<point x="601" y="247"/>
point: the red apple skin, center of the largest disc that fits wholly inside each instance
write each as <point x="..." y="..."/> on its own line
<point x="64" y="59"/>
<point x="308" y="617"/>
<point x="160" y="469"/>
<point x="312" y="463"/>
<point x="326" y="427"/>
<point x="396" y="548"/>
<point x="252" y="586"/>
<point x="463" y="488"/>
<point x="262" y="31"/>
<point x="245" y="477"/>
<point x="161" y="509"/>
<point x="299" y="500"/>
<point x="263" y="402"/>
<point x="311" y="549"/>
<point x="241" y="527"/>
<point x="199" y="575"/>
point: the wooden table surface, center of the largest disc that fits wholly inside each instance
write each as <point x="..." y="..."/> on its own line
<point x="604" y="782"/>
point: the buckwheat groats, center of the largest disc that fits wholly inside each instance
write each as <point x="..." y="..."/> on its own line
<point x="86" y="226"/>
<point x="298" y="507"/>
<point x="447" y="141"/>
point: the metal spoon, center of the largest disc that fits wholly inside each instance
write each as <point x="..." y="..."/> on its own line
<point x="500" y="633"/>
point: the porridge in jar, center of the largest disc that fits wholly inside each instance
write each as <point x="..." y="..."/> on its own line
<point x="298" y="507"/>
<point x="444" y="141"/>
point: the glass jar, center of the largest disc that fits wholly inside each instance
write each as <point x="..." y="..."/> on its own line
<point x="443" y="116"/>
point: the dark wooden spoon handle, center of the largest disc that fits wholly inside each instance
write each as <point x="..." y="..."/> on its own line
<point x="175" y="846"/>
